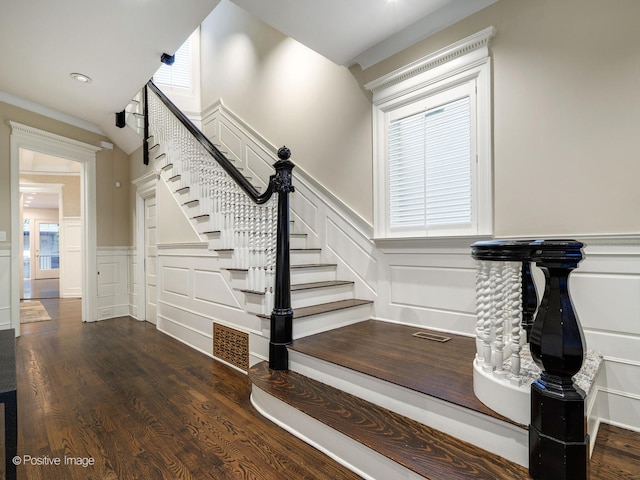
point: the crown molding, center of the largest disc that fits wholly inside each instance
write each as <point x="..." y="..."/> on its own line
<point x="465" y="46"/>
<point x="59" y="145"/>
<point x="48" y="112"/>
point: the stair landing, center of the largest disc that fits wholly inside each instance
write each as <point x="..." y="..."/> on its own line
<point x="388" y="351"/>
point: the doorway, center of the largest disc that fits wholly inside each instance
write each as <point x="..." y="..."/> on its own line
<point x="29" y="147"/>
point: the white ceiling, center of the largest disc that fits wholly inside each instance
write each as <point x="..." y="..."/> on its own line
<point x="118" y="43"/>
<point x="360" y="31"/>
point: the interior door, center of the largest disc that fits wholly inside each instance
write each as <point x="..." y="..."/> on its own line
<point x="47" y="249"/>
<point x="150" y="247"/>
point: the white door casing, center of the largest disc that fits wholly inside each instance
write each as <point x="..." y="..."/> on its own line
<point x="150" y="260"/>
<point x="145" y="189"/>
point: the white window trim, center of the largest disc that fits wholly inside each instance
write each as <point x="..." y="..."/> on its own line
<point x="465" y="61"/>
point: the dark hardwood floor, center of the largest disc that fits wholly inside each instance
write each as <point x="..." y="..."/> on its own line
<point x="143" y="405"/>
<point x="41" y="288"/>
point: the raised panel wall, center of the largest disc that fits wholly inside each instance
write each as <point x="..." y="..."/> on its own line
<point x="113" y="282"/>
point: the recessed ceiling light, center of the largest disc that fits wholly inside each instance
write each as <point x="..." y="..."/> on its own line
<point x="80" y="77"/>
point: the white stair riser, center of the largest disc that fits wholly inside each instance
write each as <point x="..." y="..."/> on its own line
<point x="304" y="257"/>
<point x="296" y="241"/>
<point x="305" y="326"/>
<point x="255" y="304"/>
<point x="314" y="296"/>
<point x="313" y="274"/>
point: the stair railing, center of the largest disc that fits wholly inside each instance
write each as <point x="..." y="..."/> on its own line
<point x="251" y="223"/>
<point x="558" y="441"/>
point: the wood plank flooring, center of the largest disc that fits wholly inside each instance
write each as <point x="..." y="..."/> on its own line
<point x="143" y="405"/>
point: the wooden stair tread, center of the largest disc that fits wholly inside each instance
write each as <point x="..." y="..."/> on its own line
<point x="309" y="286"/>
<point x="312" y="285"/>
<point x="325" y="307"/>
<point x="424" y="450"/>
<point x="390" y="352"/>
<point x="314" y="265"/>
<point x="306" y="265"/>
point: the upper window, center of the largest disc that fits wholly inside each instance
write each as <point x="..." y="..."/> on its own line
<point x="177" y="75"/>
<point x="181" y="81"/>
<point x="432" y="148"/>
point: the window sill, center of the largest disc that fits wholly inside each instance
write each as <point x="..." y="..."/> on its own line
<point x="418" y="243"/>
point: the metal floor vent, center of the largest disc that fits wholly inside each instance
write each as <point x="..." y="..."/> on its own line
<point x="231" y="345"/>
<point x="432" y="336"/>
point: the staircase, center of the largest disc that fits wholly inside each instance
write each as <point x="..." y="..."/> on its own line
<point x="319" y="299"/>
<point x="336" y="391"/>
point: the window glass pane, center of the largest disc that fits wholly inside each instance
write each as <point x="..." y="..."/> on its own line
<point x="406" y="172"/>
<point x="430" y="167"/>
<point x="49" y="246"/>
<point x="448" y="164"/>
<point x="26" y="247"/>
<point x="179" y="74"/>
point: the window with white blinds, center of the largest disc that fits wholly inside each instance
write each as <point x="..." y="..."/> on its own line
<point x="433" y="173"/>
<point x="430" y="167"/>
<point x="179" y="74"/>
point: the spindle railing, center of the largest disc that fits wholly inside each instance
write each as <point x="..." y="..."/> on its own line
<point x="251" y="223"/>
<point x="505" y="301"/>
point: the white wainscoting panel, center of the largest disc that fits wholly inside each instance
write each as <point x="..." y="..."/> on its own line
<point x="113" y="281"/>
<point x="436" y="288"/>
<point x="194" y="293"/>
<point x="175" y="281"/>
<point x="5" y="287"/>
<point x="71" y="266"/>
<point x="605" y="289"/>
<point x="211" y="287"/>
<point x="133" y="283"/>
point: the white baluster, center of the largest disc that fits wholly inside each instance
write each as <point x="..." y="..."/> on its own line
<point x="483" y="305"/>
<point x="497" y="347"/>
<point x="515" y="319"/>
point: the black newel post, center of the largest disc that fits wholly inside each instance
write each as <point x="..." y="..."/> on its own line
<point x="282" y="315"/>
<point x="145" y="142"/>
<point x="558" y="442"/>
